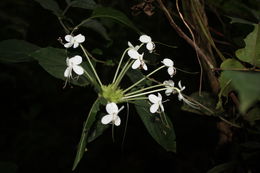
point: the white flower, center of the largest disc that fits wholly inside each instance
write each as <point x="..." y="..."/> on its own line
<point x="148" y="40"/>
<point x="132" y="47"/>
<point x="74" y="41"/>
<point x="182" y="98"/>
<point x="169" y="63"/>
<point x="157" y="103"/>
<point x="112" y="116"/>
<point x="73" y="64"/>
<point x="169" y="87"/>
<point x="139" y="62"/>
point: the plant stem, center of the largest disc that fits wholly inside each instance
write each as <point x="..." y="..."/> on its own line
<point x="120" y="62"/>
<point x="90" y="78"/>
<point x="91" y="65"/>
<point x="123" y="71"/>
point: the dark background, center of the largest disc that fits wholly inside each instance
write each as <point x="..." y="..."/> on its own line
<point x="41" y="122"/>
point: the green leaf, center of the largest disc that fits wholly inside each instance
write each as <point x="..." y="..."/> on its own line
<point x="247" y="84"/>
<point x="97" y="27"/>
<point x="206" y="104"/>
<point x="53" y="60"/>
<point x="51" y="5"/>
<point x="85" y="131"/>
<point x="163" y="135"/>
<point x="228" y="64"/>
<point x="225" y="83"/>
<point x="13" y="51"/>
<point x="222" y="168"/>
<point x="104" y="12"/>
<point x="97" y="129"/>
<point x="240" y="20"/>
<point x="86" y="4"/>
<point x="251" y="52"/>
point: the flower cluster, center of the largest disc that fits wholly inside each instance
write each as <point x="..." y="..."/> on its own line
<point x="73" y="64"/>
<point x="112" y="93"/>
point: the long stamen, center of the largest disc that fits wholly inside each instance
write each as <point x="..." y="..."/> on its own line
<point x="141" y="94"/>
<point x="143" y="78"/>
<point x="144" y="89"/>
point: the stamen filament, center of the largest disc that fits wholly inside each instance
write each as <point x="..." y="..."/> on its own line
<point x="143" y="78"/>
<point x="143" y="89"/>
<point x="141" y="94"/>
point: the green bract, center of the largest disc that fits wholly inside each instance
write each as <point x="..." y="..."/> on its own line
<point x="112" y="93"/>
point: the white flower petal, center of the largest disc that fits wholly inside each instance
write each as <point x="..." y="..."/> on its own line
<point x="78" y="69"/>
<point x="76" y="60"/>
<point x="79" y="38"/>
<point x="67" y="72"/>
<point x="154" y="108"/>
<point x="111" y="108"/>
<point x="153" y="98"/>
<point x="69" y="38"/>
<point x="145" y="39"/>
<point x="136" y="64"/>
<point x="180" y="86"/>
<point x="75" y="45"/>
<point x="133" y="54"/>
<point x="150" y="46"/>
<point x="169" y="83"/>
<point x="167" y="62"/>
<point x="159" y="96"/>
<point x="68" y="45"/>
<point x="106" y="119"/>
<point x="144" y="66"/>
<point x="130" y="44"/>
<point x="117" y="121"/>
<point x="161" y="106"/>
<point x="171" y="71"/>
<point x="180" y="96"/>
<point x="168" y="91"/>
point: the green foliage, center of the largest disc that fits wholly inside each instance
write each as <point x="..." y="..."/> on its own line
<point x="164" y="135"/>
<point x="14" y="51"/>
<point x="85" y="4"/>
<point x="237" y="8"/>
<point x="51" y="5"/>
<point x="97" y="27"/>
<point x="225" y="85"/>
<point x="86" y="129"/>
<point x="104" y="12"/>
<point x="247" y="84"/>
<point x="251" y="53"/>
<point x="53" y="60"/>
<point x="222" y="168"/>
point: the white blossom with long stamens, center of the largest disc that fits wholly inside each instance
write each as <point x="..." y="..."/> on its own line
<point x="73" y="64"/>
<point x="112" y="116"/>
<point x="157" y="103"/>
